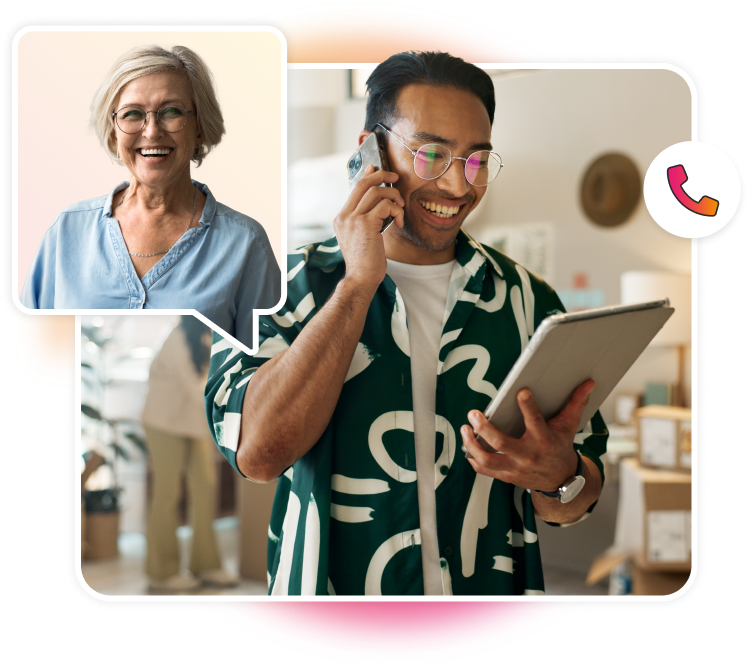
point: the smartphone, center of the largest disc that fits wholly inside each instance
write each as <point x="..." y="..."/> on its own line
<point x="369" y="152"/>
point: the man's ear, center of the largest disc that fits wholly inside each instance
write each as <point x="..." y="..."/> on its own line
<point x="363" y="135"/>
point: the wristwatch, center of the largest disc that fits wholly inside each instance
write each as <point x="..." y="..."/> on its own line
<point x="571" y="488"/>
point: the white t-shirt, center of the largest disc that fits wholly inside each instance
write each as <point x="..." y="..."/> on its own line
<point x="424" y="291"/>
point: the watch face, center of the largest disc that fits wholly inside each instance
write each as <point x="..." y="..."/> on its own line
<point x="572" y="490"/>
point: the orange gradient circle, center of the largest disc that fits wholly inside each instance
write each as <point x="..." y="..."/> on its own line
<point x="372" y="33"/>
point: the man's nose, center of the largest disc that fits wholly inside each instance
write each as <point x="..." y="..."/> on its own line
<point x="454" y="179"/>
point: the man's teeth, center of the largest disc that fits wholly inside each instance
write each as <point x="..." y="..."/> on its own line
<point x="442" y="211"/>
<point x="156" y="151"/>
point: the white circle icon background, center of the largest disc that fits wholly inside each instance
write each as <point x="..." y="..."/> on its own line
<point x="709" y="173"/>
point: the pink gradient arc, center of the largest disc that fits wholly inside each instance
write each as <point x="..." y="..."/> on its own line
<point x="393" y="631"/>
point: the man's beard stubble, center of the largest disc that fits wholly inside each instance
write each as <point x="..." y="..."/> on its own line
<point x="444" y="239"/>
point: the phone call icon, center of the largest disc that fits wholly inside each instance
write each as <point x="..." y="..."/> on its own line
<point x="706" y="206"/>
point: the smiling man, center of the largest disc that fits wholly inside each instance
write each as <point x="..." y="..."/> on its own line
<point x="371" y="378"/>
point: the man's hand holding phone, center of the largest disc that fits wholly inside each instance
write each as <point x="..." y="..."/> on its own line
<point x="358" y="227"/>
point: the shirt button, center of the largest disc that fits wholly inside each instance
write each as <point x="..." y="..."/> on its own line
<point x="440" y="388"/>
<point x="443" y="470"/>
<point x="448" y="551"/>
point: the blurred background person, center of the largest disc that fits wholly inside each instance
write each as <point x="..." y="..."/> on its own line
<point x="179" y="444"/>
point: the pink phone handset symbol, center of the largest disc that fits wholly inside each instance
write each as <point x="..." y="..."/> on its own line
<point x="706" y="206"/>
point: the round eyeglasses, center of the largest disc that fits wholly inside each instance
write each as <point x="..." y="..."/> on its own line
<point x="170" y="118"/>
<point x="432" y="161"/>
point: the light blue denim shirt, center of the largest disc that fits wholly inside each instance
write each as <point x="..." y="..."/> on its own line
<point x="224" y="268"/>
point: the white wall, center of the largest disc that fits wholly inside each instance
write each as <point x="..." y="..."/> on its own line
<point x="549" y="126"/>
<point x="314" y="95"/>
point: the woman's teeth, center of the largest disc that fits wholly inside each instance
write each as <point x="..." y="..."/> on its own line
<point x="156" y="151"/>
<point x="442" y="211"/>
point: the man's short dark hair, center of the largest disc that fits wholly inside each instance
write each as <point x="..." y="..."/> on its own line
<point x="422" y="68"/>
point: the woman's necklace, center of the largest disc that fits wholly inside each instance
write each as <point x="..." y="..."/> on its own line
<point x="158" y="253"/>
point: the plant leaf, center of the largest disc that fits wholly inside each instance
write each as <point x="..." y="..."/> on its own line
<point x="137" y="440"/>
<point x="120" y="451"/>
<point x="91" y="412"/>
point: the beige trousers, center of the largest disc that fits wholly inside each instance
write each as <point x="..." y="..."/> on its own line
<point x="172" y="457"/>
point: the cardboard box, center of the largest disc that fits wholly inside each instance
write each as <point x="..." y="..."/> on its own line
<point x="93" y="461"/>
<point x="102" y="530"/>
<point x="255" y="504"/>
<point x="606" y="565"/>
<point x="627" y="576"/>
<point x="657" y="583"/>
<point x="653" y="529"/>
<point x="654" y="517"/>
<point x="665" y="437"/>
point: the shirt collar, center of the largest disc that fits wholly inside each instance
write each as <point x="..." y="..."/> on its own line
<point x="469" y="253"/>
<point x="209" y="210"/>
<point x="108" y="204"/>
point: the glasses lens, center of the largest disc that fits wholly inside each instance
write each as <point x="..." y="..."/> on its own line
<point x="172" y="118"/>
<point x="431" y="161"/>
<point x="131" y="120"/>
<point x="482" y="167"/>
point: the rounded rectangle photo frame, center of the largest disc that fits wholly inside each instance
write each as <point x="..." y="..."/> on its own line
<point x="162" y="246"/>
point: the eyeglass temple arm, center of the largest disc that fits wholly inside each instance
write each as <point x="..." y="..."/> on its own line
<point x="396" y="138"/>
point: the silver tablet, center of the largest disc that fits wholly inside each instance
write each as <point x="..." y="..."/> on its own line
<point x="569" y="348"/>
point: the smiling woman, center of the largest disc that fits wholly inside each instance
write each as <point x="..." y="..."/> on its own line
<point x="159" y="240"/>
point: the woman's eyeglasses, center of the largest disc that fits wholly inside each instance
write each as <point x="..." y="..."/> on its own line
<point x="432" y="161"/>
<point x="171" y="119"/>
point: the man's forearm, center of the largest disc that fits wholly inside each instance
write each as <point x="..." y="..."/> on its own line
<point x="553" y="511"/>
<point x="291" y="398"/>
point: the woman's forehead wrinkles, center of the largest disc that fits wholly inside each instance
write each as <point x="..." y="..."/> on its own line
<point x="165" y="102"/>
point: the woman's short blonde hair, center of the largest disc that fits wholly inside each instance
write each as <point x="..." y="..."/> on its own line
<point x="146" y="60"/>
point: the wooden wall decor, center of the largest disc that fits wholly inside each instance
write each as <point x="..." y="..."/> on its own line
<point x="610" y="190"/>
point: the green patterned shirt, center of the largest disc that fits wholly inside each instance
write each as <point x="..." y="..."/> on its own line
<point x="345" y="518"/>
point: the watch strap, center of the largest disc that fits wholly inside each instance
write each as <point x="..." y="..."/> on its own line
<point x="578" y="473"/>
